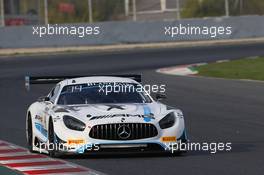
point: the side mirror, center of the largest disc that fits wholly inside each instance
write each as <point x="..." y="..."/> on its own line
<point x="42" y="99"/>
<point x="160" y="96"/>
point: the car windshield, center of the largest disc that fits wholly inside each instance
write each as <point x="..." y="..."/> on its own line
<point x="96" y="93"/>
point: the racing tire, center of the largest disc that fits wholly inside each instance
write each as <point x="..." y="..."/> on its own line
<point x="30" y="134"/>
<point x="53" y="152"/>
<point x="180" y="152"/>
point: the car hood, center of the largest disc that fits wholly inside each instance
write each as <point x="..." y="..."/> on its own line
<point x="116" y="112"/>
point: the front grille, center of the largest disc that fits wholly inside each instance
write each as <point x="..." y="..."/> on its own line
<point x="115" y="131"/>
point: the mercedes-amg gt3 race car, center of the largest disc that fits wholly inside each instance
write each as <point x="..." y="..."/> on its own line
<point x="79" y="116"/>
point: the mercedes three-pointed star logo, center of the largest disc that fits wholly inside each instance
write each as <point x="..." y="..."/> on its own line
<point x="123" y="132"/>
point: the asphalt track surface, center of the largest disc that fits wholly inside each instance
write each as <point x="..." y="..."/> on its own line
<point x="216" y="110"/>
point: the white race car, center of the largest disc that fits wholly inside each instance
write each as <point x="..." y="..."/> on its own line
<point x="84" y="115"/>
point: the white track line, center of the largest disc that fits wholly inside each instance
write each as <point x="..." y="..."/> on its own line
<point x="18" y="158"/>
<point x="25" y="161"/>
<point x="49" y="167"/>
<point x="81" y="173"/>
<point x="6" y="147"/>
<point x="14" y="154"/>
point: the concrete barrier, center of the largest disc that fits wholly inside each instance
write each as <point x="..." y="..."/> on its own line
<point x="132" y="32"/>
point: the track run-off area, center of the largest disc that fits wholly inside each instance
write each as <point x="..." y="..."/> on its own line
<point x="216" y="110"/>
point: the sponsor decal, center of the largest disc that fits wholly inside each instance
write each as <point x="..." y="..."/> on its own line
<point x="169" y="139"/>
<point x="75" y="141"/>
<point x="147" y="114"/>
<point x="150" y="116"/>
<point x="41" y="129"/>
<point x="37" y="117"/>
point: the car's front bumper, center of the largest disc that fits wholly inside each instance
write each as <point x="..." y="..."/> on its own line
<point x="152" y="145"/>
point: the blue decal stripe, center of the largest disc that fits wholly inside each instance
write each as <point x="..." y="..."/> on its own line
<point x="41" y="129"/>
<point x="147" y="113"/>
<point x="146" y="110"/>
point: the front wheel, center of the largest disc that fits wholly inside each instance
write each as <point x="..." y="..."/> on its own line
<point x="52" y="145"/>
<point x="29" y="133"/>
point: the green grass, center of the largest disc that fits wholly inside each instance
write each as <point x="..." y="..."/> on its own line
<point x="252" y="69"/>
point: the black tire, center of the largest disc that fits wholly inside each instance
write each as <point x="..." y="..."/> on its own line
<point x="51" y="136"/>
<point x="181" y="152"/>
<point x="30" y="133"/>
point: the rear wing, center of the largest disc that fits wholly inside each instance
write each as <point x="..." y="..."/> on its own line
<point x="56" y="79"/>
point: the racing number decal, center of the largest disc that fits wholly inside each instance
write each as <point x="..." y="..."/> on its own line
<point x="76" y="88"/>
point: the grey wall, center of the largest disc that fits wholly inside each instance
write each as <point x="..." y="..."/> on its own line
<point x="132" y="32"/>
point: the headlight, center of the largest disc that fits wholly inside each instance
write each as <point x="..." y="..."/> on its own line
<point x="73" y="123"/>
<point x="167" y="121"/>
